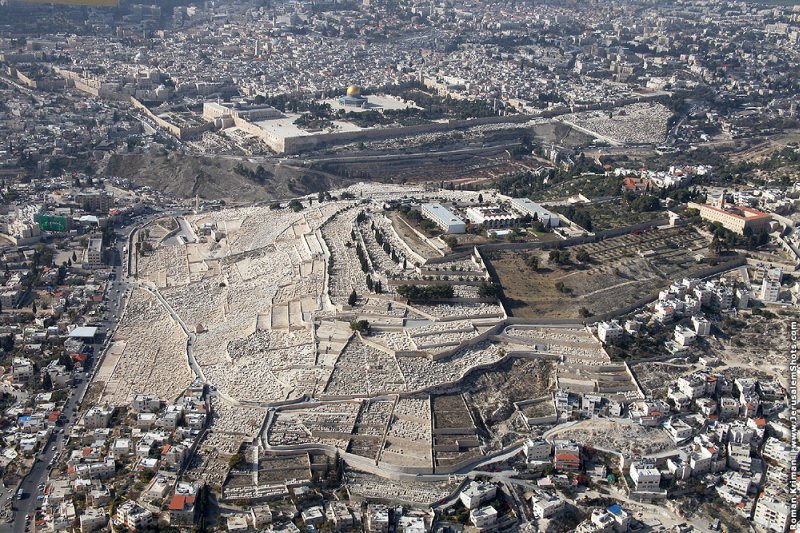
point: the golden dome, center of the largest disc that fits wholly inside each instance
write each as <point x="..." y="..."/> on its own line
<point x="353" y="90"/>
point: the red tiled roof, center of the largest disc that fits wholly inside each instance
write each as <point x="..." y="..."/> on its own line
<point x="754" y="213"/>
<point x="566" y="457"/>
<point x="179" y="503"/>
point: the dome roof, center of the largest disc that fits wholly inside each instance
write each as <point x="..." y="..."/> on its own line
<point x="353" y="90"/>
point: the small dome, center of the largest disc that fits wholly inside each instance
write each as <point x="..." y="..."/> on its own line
<point x="353" y="90"/>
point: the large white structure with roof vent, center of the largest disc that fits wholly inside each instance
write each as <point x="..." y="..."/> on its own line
<point x="535" y="211"/>
<point x="444" y="218"/>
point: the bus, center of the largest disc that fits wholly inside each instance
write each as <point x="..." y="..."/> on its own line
<point x="20" y="494"/>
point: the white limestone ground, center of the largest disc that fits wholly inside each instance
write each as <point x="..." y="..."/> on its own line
<point x="261" y="292"/>
<point x="327" y="423"/>
<point x="640" y="123"/>
<point x="364" y="371"/>
<point x="167" y="266"/>
<point x="346" y="274"/>
<point x="408" y="440"/>
<point x="236" y="420"/>
<point x="587" y="368"/>
<point x="153" y="360"/>
<point x="422" y="373"/>
<point x="370" y="486"/>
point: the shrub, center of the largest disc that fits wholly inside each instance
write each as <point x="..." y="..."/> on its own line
<point x="430" y="292"/>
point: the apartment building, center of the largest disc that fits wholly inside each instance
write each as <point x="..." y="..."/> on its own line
<point x="98" y="416"/>
<point x="21" y="370"/>
<point x="645" y="476"/>
<point x="566" y="455"/>
<point x="484" y="517"/>
<point x="770" y="291"/>
<point x="537" y="450"/>
<point x="772" y="514"/>
<point x="477" y="493"/>
<point x="94" y="253"/>
<point x="609" y="332"/>
<point x="547" y="505"/>
<point x="377" y="518"/>
<point x="133" y="517"/>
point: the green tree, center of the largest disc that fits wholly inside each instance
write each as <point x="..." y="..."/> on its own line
<point x="62" y="273"/>
<point x="352" y="299"/>
<point x="489" y="290"/>
<point x="559" y="257"/>
<point x="339" y="467"/>
<point x="47" y="382"/>
<point x="236" y="461"/>
<point x="426" y="292"/>
<point x="646" y="202"/>
<point x="66" y="361"/>
<point x="361" y="326"/>
<point x="582" y="255"/>
<point x="716" y="245"/>
<point x="533" y="262"/>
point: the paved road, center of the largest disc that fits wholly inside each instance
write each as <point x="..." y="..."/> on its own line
<point x="21" y="88"/>
<point x="184" y="234"/>
<point x="350" y="157"/>
<point x="57" y="442"/>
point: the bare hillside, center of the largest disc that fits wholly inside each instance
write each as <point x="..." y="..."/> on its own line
<point x="216" y="178"/>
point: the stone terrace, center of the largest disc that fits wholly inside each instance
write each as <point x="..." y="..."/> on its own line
<point x="363" y="371"/>
<point x="153" y="360"/>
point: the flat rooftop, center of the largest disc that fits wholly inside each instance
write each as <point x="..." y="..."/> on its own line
<point x="83" y="332"/>
<point x="374" y="103"/>
<point x="285" y="127"/>
<point x="442" y="213"/>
